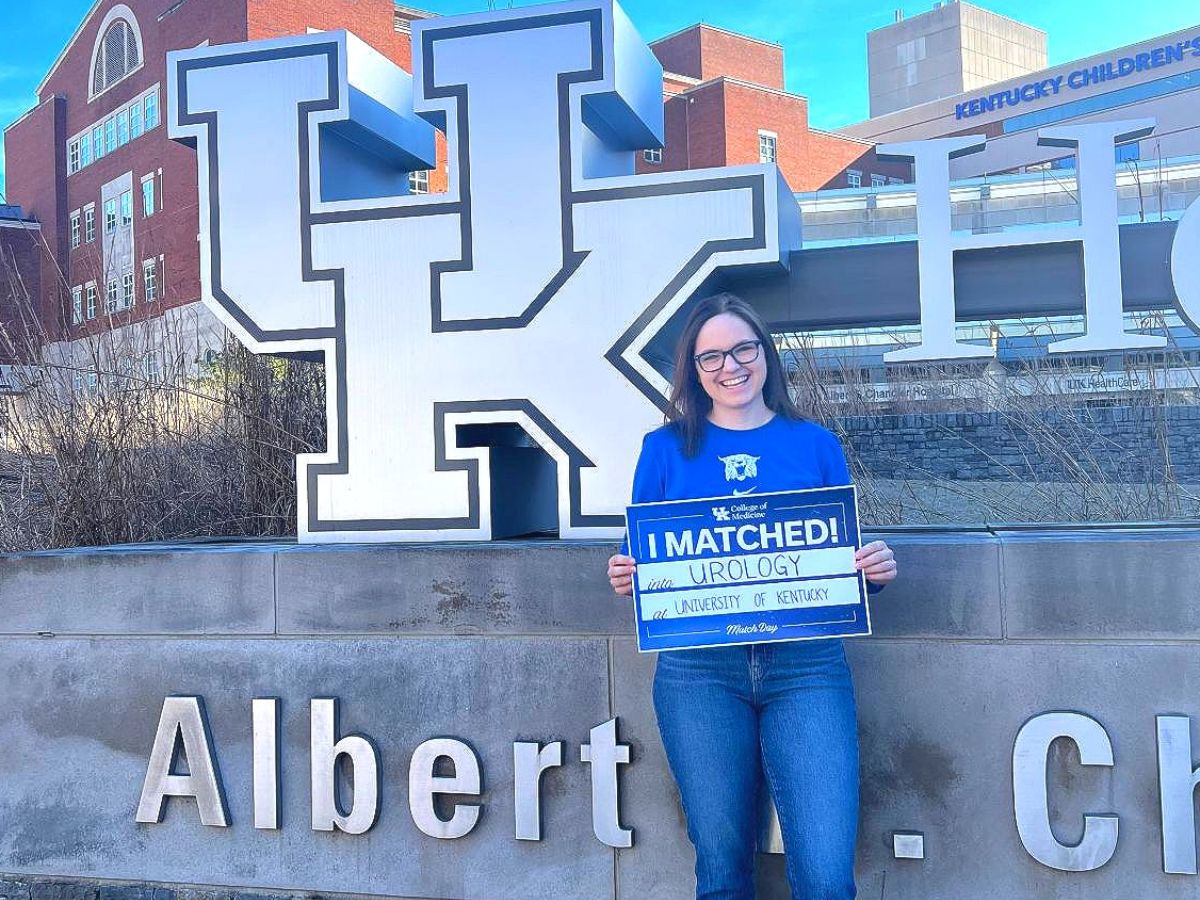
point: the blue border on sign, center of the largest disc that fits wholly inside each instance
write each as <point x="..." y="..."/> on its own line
<point x="648" y="521"/>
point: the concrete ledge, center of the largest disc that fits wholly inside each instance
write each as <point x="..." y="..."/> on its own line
<point x="949" y="586"/>
<point x="140" y="590"/>
<point x="1101" y="583"/>
<point x="517" y="587"/>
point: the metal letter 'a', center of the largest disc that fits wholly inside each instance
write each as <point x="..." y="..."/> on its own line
<point x="523" y="296"/>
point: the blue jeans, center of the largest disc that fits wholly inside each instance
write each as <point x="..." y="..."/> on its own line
<point x="785" y="710"/>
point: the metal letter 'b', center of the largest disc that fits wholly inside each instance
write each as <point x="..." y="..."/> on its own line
<point x="524" y="295"/>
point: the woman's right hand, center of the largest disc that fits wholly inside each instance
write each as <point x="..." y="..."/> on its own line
<point x="620" y="574"/>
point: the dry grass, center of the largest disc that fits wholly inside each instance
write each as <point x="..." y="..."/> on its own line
<point x="1061" y="462"/>
<point x="130" y="437"/>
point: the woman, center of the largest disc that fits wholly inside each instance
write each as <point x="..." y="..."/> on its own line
<point x="787" y="708"/>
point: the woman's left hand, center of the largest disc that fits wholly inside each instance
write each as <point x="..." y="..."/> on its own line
<point x="877" y="562"/>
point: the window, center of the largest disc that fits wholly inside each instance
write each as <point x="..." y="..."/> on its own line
<point x="878" y="181"/>
<point x="768" y="146"/>
<point x="1123" y="97"/>
<point x="110" y="296"/>
<point x="126" y="208"/>
<point x="110" y="135"/>
<point x="89" y="223"/>
<point x="149" y="280"/>
<point x="653" y="156"/>
<point x="74" y="229"/>
<point x="418" y="182"/>
<point x="1129" y="152"/>
<point x="98" y="141"/>
<point x="110" y="216"/>
<point x="117" y="54"/>
<point x="148" y="196"/>
<point x="85" y="150"/>
<point x="853" y="178"/>
<point x="76" y="305"/>
<point x="91" y="300"/>
<point x="892" y="180"/>
<point x="150" y="367"/>
<point x="122" y="128"/>
<point x="127" y="290"/>
<point x="152" y="110"/>
<point x="135" y="120"/>
<point x="72" y="157"/>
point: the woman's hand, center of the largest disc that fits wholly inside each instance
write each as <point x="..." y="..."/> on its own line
<point x="620" y="574"/>
<point x="875" y="559"/>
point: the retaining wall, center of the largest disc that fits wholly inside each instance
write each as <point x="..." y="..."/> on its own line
<point x="522" y="641"/>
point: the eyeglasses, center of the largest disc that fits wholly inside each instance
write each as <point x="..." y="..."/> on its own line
<point x="714" y="360"/>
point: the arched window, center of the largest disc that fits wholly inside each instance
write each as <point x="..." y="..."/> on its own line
<point x="117" y="54"/>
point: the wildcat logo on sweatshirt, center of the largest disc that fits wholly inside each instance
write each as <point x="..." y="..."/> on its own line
<point x="740" y="466"/>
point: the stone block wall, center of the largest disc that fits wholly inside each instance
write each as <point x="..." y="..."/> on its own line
<point x="522" y="641"/>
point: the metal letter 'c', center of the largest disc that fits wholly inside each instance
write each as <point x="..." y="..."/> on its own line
<point x="1031" y="803"/>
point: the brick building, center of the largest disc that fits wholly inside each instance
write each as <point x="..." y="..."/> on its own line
<point x="20" y="274"/>
<point x="117" y="202"/>
<point x="725" y="105"/>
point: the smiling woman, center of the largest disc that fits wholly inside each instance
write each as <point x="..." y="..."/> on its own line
<point x="737" y="710"/>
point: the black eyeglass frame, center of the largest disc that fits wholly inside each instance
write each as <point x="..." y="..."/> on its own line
<point x="732" y="351"/>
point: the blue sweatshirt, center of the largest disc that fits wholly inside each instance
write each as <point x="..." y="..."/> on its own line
<point x="782" y="455"/>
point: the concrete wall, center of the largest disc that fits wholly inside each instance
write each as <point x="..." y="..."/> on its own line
<point x="514" y="641"/>
<point x="1142" y="444"/>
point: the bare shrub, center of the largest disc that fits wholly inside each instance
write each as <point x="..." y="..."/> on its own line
<point x="1058" y="459"/>
<point x="144" y="431"/>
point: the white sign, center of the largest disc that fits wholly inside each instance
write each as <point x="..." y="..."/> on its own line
<point x="525" y="294"/>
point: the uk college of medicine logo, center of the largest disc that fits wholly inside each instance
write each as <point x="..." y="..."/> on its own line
<point x="523" y="296"/>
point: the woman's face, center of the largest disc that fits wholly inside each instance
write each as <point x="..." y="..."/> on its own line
<point x="735" y="385"/>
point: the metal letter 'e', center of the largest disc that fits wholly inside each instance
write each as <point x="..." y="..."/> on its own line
<point x="183" y="720"/>
<point x="1177" y="782"/>
<point x="604" y="754"/>
<point x="530" y="760"/>
<point x="364" y="764"/>
<point x="423" y="784"/>
<point x="1031" y="803"/>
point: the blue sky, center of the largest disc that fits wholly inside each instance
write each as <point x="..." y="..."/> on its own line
<point x="824" y="40"/>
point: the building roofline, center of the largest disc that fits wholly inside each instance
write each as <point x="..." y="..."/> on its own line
<point x="992" y="12"/>
<point x="740" y="83"/>
<point x="416" y="13"/>
<point x="1189" y="31"/>
<point x="22" y="117"/>
<point x="737" y="34"/>
<point x="867" y="142"/>
<point x="684" y="79"/>
<point x="67" y="48"/>
<point x="928" y="12"/>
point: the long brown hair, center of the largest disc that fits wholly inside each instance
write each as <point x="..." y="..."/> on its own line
<point x="689" y="404"/>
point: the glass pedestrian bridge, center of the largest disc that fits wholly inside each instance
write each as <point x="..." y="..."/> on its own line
<point x="1148" y="191"/>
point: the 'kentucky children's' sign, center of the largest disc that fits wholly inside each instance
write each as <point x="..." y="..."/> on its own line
<point x="736" y="570"/>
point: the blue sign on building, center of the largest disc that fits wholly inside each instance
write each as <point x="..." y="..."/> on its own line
<point x="1078" y="78"/>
